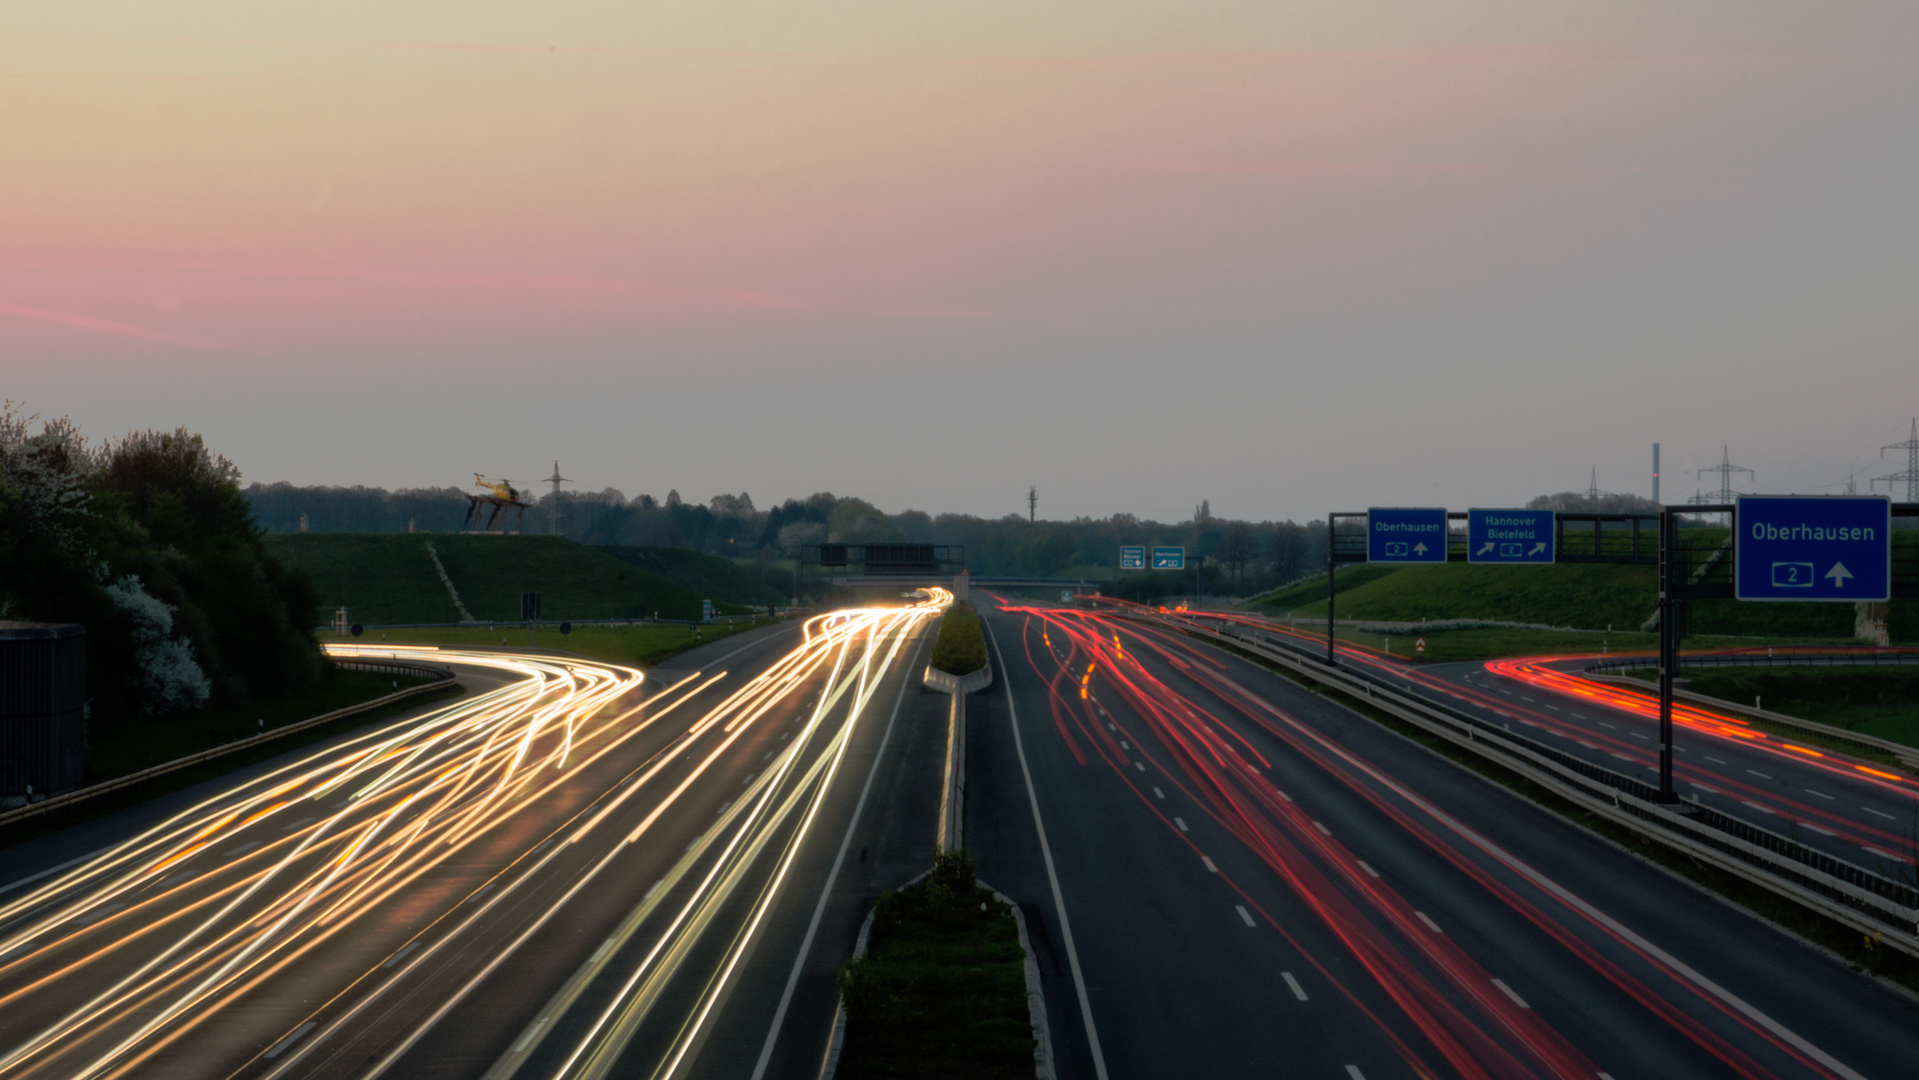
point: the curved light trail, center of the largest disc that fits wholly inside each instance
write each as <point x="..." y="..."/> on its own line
<point x="114" y="962"/>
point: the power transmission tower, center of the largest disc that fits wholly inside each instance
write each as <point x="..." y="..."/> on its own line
<point x="553" y="512"/>
<point x="1032" y="504"/>
<point x="1593" y="494"/>
<point x="1725" y="469"/>
<point x="1911" y="475"/>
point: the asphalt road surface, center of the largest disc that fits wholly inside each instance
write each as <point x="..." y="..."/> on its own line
<point x="1238" y="878"/>
<point x="575" y="873"/>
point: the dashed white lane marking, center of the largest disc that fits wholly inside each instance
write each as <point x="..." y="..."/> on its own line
<point x="1353" y="1073"/>
<point x="601" y="951"/>
<point x="1554" y="708"/>
<point x="1882" y="854"/>
<point x="1140" y="766"/>
<point x="1760" y="775"/>
<point x="1363" y="865"/>
<point x="1210" y="868"/>
<point x="297" y="824"/>
<point x="95" y="915"/>
<point x="1181" y="822"/>
<point x="1123" y="746"/>
<point x="1714" y="760"/>
<point x="1817" y="829"/>
<point x="1587" y="745"/>
<point x="1704" y="788"/>
<point x="1244" y="914"/>
<point x="1602" y="723"/>
<point x="1637" y="735"/>
<point x="1526" y="699"/>
<point x="1621" y="757"/>
<point x="1283" y="795"/>
<point x="1293" y="985"/>
<point x="532" y="1032"/>
<point x="1508" y="693"/>
<point x="749" y="779"/>
<point x="243" y="848"/>
<point x="769" y="754"/>
<point x="1881" y="813"/>
<point x="401" y="955"/>
<point x="1508" y="991"/>
<point x="1605" y="1076"/>
<point x="1821" y="794"/>
<point x="1428" y="920"/>
<point x="291" y="1038"/>
<point x="1159" y="793"/>
<point x="1322" y="828"/>
<point x="1583" y="716"/>
<point x="1756" y="806"/>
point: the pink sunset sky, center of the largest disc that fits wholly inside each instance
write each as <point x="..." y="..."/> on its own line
<point x="1290" y="257"/>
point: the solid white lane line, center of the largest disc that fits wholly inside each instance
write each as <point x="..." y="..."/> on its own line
<point x="1181" y="822"/>
<point x="1244" y="914"/>
<point x="1870" y="810"/>
<point x="1052" y="874"/>
<point x="832" y="876"/>
<point x="1508" y="991"/>
<point x="1364" y="865"/>
<point x="1159" y="793"/>
<point x="1293" y="985"/>
<point x="1210" y="868"/>
<point x="1428" y="920"/>
<point x="1322" y="828"/>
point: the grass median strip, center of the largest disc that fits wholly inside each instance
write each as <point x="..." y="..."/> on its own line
<point x="941" y="990"/>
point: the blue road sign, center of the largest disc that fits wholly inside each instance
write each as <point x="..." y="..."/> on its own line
<point x="1132" y="558"/>
<point x="1509" y="536"/>
<point x="1398" y="534"/>
<point x="1169" y="558"/>
<point x="1813" y="547"/>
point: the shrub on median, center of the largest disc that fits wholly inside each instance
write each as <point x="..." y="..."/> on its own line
<point x="960" y="648"/>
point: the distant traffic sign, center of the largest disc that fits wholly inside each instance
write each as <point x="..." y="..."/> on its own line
<point x="1509" y="536"/>
<point x="1813" y="547"/>
<point x="1399" y="534"/>
<point x="1132" y="558"/>
<point x="1169" y="558"/>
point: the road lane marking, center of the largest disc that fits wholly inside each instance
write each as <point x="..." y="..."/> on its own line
<point x="1762" y="776"/>
<point x="1508" y="991"/>
<point x="1821" y="794"/>
<point x="1353" y="1073"/>
<point x="1882" y="814"/>
<point x="532" y="1033"/>
<point x="1815" y="828"/>
<point x="1159" y="793"/>
<point x="1756" y="806"/>
<point x="1554" y="708"/>
<point x="1637" y="735"/>
<point x="243" y="848"/>
<point x="401" y="955"/>
<point x="608" y="943"/>
<point x="297" y="824"/>
<point x="1363" y="865"/>
<point x="1141" y="766"/>
<point x="1322" y="828"/>
<point x="1293" y="985"/>
<point x="1714" y="760"/>
<point x="95" y="915"/>
<point x="477" y="893"/>
<point x="1210" y="868"/>
<point x="1881" y="854"/>
<point x="1704" y="788"/>
<point x="1428" y="920"/>
<point x="290" y="1038"/>
<point x="1181" y="822"/>
<point x="1244" y="914"/>
<point x="1602" y="723"/>
<point x="1123" y="746"/>
<point x="1052" y="878"/>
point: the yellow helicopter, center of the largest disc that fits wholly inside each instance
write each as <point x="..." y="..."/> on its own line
<point x="500" y="495"/>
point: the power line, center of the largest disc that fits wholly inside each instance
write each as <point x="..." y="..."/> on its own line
<point x="1725" y="469"/>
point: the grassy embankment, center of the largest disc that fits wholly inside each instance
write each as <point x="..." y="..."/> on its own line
<point x="390" y="577"/>
<point x="960" y="648"/>
<point x="637" y="646"/>
<point x="941" y="990"/>
<point x="1597" y="603"/>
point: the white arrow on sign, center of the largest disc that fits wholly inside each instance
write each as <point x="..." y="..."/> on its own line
<point x="1839" y="574"/>
<point x="1537" y="548"/>
<point x="1419" y="549"/>
<point x="1488" y="547"/>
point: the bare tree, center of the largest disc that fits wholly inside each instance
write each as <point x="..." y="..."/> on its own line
<point x="1236" y="547"/>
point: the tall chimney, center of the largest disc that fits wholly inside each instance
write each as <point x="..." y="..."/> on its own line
<point x="1655" y="472"/>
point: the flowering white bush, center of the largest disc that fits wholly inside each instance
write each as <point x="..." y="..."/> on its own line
<point x="170" y="679"/>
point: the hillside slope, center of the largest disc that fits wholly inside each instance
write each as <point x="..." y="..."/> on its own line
<point x="1586" y="596"/>
<point x="390" y="577"/>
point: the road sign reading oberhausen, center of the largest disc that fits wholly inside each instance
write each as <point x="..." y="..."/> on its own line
<point x="1509" y="536"/>
<point x="1813" y="547"/>
<point x="1132" y="558"/>
<point x="1169" y="558"/>
<point x="1398" y="534"/>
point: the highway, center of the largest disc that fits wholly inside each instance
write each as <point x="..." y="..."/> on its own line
<point x="1236" y="877"/>
<point x="1852" y="808"/>
<point x="565" y="875"/>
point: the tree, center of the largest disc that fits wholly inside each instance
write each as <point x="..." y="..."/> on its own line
<point x="1236" y="547"/>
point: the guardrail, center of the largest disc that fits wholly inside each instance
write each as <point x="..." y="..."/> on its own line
<point x="437" y="677"/>
<point x="1861" y="657"/>
<point x="1863" y="899"/>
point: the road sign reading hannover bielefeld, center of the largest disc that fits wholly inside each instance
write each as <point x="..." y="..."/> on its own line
<point x="1132" y="558"/>
<point x="1813" y="547"/>
<point x="1399" y="534"/>
<point x="1169" y="558"/>
<point x="1509" y="536"/>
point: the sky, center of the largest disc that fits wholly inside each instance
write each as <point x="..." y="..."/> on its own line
<point x="1289" y="257"/>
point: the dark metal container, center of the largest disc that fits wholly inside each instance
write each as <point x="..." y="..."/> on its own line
<point x="43" y="694"/>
